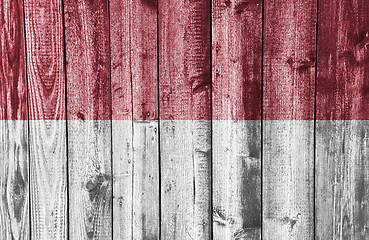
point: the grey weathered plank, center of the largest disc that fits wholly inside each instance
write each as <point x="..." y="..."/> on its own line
<point x="237" y="179"/>
<point x="236" y="108"/>
<point x="47" y="133"/>
<point x="89" y="119"/>
<point x="185" y="157"/>
<point x="342" y="126"/>
<point x="341" y="169"/>
<point x="14" y="180"/>
<point x="288" y="201"/>
<point x="184" y="116"/>
<point x="14" y="158"/>
<point x="146" y="203"/>
<point x="288" y="111"/>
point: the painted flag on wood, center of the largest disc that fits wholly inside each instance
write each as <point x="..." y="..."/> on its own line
<point x="168" y="119"/>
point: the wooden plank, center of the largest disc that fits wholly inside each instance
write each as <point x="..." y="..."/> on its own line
<point x="135" y="143"/>
<point x="144" y="55"/>
<point x="14" y="157"/>
<point x="13" y="88"/>
<point x="288" y="111"/>
<point x="185" y="126"/>
<point x="146" y="203"/>
<point x="14" y="209"/>
<point x="288" y="201"/>
<point x="237" y="179"/>
<point x="342" y="140"/>
<point x="341" y="169"/>
<point x="122" y="127"/>
<point x="236" y="107"/>
<point x="47" y="133"/>
<point x="89" y="128"/>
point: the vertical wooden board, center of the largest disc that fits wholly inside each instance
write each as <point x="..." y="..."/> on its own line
<point x="47" y="126"/>
<point x="288" y="111"/>
<point x="146" y="203"/>
<point x="341" y="179"/>
<point x="89" y="128"/>
<point x="89" y="179"/>
<point x="236" y="179"/>
<point x="236" y="108"/>
<point x="184" y="117"/>
<point x="185" y="178"/>
<point x="13" y="88"/>
<point x="122" y="126"/>
<point x="14" y="158"/>
<point x="146" y="166"/>
<point x="288" y="197"/>
<point x="342" y="86"/>
<point x="134" y="94"/>
<point x="342" y="73"/>
<point x="14" y="202"/>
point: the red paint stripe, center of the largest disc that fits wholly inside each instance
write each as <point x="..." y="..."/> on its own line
<point x="184" y="89"/>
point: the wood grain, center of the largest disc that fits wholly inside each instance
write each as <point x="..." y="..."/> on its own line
<point x="89" y="115"/>
<point x="146" y="192"/>
<point x="236" y="109"/>
<point x="342" y="140"/>
<point x="122" y="126"/>
<point x="47" y="133"/>
<point x="146" y="168"/>
<point x="14" y="157"/>
<point x="236" y="179"/>
<point x="14" y="180"/>
<point x="135" y="128"/>
<point x="185" y="129"/>
<point x="13" y="88"/>
<point x="288" y="111"/>
<point x="341" y="209"/>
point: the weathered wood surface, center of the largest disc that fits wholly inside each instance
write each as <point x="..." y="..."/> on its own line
<point x="288" y="111"/>
<point x="135" y="100"/>
<point x="89" y="115"/>
<point x="236" y="108"/>
<point x="146" y="168"/>
<point x="14" y="209"/>
<point x="185" y="113"/>
<point x="122" y="127"/>
<point x="47" y="126"/>
<point x="341" y="179"/>
<point x="342" y="143"/>
<point x="14" y="167"/>
<point x="166" y="135"/>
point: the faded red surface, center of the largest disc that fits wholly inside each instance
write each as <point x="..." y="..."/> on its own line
<point x="162" y="80"/>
